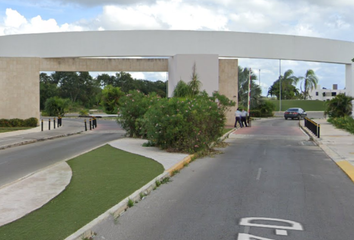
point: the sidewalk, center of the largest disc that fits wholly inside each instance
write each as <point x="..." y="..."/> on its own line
<point x="22" y="137"/>
<point x="338" y="144"/>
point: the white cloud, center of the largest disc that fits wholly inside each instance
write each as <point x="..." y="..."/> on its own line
<point x="15" y="23"/>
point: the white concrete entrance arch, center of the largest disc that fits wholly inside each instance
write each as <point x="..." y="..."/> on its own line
<point x="22" y="57"/>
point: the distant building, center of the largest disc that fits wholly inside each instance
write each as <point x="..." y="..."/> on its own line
<point x="324" y="94"/>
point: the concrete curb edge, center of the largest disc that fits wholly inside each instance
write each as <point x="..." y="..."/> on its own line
<point x="344" y="165"/>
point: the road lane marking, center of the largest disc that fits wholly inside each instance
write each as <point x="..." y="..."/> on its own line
<point x="265" y="151"/>
<point x="259" y="173"/>
<point x="250" y="222"/>
<point x="281" y="232"/>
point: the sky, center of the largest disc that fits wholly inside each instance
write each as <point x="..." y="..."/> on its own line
<point x="332" y="19"/>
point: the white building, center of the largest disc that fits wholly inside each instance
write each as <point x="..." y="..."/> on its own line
<point x="324" y="94"/>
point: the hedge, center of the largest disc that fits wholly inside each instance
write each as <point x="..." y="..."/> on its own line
<point x="16" y="122"/>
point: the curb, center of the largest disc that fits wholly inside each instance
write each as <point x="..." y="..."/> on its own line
<point x="344" y="165"/>
<point x="117" y="210"/>
<point x="38" y="140"/>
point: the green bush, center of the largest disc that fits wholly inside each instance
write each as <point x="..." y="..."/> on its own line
<point x="346" y="123"/>
<point x="110" y="99"/>
<point x="31" y="122"/>
<point x="266" y="108"/>
<point x="186" y="125"/>
<point x="15" y="122"/>
<point x="132" y="109"/>
<point x="84" y="112"/>
<point x="56" y="106"/>
<point x="176" y="124"/>
<point x="255" y="113"/>
<point x="340" y="106"/>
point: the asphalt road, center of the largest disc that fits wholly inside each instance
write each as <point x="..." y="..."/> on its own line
<point x="18" y="162"/>
<point x="269" y="183"/>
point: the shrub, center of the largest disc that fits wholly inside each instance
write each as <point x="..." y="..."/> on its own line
<point x="15" y="122"/>
<point x="31" y="122"/>
<point x="84" y="112"/>
<point x="255" y="113"/>
<point x="266" y="108"/>
<point x="346" y="123"/>
<point x="186" y="125"/>
<point x="110" y="99"/>
<point x="132" y="108"/>
<point x="56" y="106"/>
<point x="340" y="106"/>
<point x="178" y="124"/>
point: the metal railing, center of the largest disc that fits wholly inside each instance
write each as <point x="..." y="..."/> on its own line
<point x="314" y="127"/>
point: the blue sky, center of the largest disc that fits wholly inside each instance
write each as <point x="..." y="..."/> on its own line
<point x="314" y="18"/>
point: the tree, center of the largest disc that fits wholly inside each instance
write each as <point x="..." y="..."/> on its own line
<point x="110" y="99"/>
<point x="243" y="76"/>
<point x="309" y="82"/>
<point x="190" y="89"/>
<point x="340" y="106"/>
<point x="48" y="89"/>
<point x="56" y="106"/>
<point x="288" y="90"/>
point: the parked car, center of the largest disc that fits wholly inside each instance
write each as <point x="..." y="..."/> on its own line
<point x="292" y="113"/>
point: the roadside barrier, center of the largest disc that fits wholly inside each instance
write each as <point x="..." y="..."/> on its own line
<point x="57" y="122"/>
<point x="314" y="127"/>
<point x="92" y="123"/>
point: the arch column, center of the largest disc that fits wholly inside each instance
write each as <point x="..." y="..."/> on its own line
<point x="19" y="88"/>
<point x="349" y="82"/>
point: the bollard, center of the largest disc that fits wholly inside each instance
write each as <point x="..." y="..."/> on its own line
<point x="93" y="123"/>
<point x="85" y="125"/>
<point x="49" y="124"/>
<point x="54" y="122"/>
<point x="42" y="125"/>
<point x="90" y="124"/>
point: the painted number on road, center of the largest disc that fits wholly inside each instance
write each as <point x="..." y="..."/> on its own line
<point x="280" y="225"/>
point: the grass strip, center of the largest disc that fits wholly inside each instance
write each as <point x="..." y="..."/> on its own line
<point x="346" y="123"/>
<point x="307" y="105"/>
<point x="101" y="179"/>
<point x="11" y="129"/>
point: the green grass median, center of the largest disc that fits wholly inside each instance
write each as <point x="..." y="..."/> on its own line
<point x="101" y="179"/>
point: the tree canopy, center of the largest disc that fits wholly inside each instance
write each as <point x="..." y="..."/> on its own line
<point x="84" y="90"/>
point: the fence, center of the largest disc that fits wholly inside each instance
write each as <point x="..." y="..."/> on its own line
<point x="314" y="127"/>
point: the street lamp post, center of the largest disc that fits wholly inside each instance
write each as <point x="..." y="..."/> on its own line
<point x="249" y="90"/>
<point x="259" y="78"/>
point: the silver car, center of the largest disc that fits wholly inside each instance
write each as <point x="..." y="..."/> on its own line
<point x="292" y="113"/>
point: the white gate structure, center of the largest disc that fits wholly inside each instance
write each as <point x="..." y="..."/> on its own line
<point x="214" y="53"/>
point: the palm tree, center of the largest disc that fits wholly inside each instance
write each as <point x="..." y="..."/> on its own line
<point x="309" y="82"/>
<point x="340" y="106"/>
<point x="243" y="75"/>
<point x="288" y="90"/>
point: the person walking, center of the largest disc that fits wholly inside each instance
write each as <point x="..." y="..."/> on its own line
<point x="238" y="118"/>
<point x="244" y="117"/>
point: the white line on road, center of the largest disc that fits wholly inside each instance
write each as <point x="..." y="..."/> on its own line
<point x="259" y="173"/>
